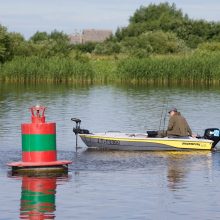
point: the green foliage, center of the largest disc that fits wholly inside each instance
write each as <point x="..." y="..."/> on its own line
<point x="2" y="44"/>
<point x="167" y="18"/>
<point x="5" y="44"/>
<point x="17" y="44"/>
<point x="39" y="36"/>
<point x="107" y="48"/>
<point x="192" y="49"/>
<point x="162" y="11"/>
<point x="48" y="45"/>
<point x="44" y="36"/>
<point x="198" y="67"/>
<point x="59" y="36"/>
<point x="79" y="56"/>
<point x="137" y="46"/>
<point x="40" y="44"/>
<point x="140" y="53"/>
<point x="36" y="69"/>
<point x="194" y="32"/>
<point x="157" y="42"/>
<point x="154" y="17"/>
<point x="104" y="71"/>
<point x="164" y="42"/>
<point x="209" y="46"/>
<point x="86" y="47"/>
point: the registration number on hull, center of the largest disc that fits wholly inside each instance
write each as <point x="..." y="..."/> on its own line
<point x="108" y="142"/>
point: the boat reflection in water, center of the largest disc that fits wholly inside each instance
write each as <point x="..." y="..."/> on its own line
<point x="180" y="164"/>
<point x="38" y="198"/>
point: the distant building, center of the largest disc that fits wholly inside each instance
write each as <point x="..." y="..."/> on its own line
<point x="75" y="38"/>
<point x="90" y="35"/>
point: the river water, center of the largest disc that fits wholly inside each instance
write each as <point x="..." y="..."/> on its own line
<point x="111" y="184"/>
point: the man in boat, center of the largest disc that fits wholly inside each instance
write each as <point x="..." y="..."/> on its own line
<point x="177" y="126"/>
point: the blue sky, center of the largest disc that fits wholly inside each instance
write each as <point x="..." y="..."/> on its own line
<point x="69" y="16"/>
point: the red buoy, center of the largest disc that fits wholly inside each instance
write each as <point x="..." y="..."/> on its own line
<point x="38" y="142"/>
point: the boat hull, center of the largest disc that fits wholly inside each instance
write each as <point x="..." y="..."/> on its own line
<point x="141" y="142"/>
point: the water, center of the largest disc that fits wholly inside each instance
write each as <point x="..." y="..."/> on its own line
<point x="111" y="184"/>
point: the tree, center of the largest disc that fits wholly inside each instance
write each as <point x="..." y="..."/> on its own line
<point x="167" y="18"/>
<point x="157" y="42"/>
<point x="87" y="47"/>
<point x="5" y="53"/>
<point x="2" y="44"/>
<point x="164" y="42"/>
<point x="61" y="44"/>
<point x="58" y="36"/>
<point x="39" y="36"/>
<point x="107" y="48"/>
<point x="47" y="45"/>
<point x="17" y="44"/>
<point x="157" y="12"/>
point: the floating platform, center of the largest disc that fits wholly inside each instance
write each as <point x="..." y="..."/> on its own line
<point x="43" y="168"/>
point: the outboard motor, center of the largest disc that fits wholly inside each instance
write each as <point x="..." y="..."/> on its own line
<point x="212" y="134"/>
<point x="77" y="130"/>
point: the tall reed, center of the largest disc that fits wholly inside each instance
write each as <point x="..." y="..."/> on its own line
<point x="196" y="67"/>
<point x="56" y="69"/>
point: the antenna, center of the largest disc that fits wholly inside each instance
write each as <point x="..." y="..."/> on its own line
<point x="162" y="112"/>
<point x="165" y="115"/>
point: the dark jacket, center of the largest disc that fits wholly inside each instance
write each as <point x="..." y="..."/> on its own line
<point x="178" y="126"/>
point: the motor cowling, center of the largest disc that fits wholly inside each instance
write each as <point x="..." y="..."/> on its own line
<point x="77" y="129"/>
<point x="80" y="131"/>
<point x="212" y="134"/>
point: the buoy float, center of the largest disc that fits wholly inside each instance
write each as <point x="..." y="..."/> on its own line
<point x="39" y="146"/>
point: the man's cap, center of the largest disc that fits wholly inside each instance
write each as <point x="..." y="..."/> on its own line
<point x="172" y="110"/>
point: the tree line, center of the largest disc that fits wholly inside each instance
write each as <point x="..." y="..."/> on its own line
<point x="162" y="29"/>
<point x="40" y="44"/>
<point x="153" y="29"/>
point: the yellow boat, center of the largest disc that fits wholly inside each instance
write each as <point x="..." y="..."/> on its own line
<point x="126" y="141"/>
<point x="146" y="141"/>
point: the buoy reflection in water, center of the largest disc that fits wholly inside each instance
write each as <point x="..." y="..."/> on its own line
<point x="38" y="198"/>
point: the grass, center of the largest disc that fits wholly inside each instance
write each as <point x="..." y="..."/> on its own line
<point x="196" y="67"/>
<point x="35" y="69"/>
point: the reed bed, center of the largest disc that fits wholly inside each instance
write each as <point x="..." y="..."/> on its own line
<point x="35" y="69"/>
<point x="198" y="67"/>
<point x="105" y="71"/>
